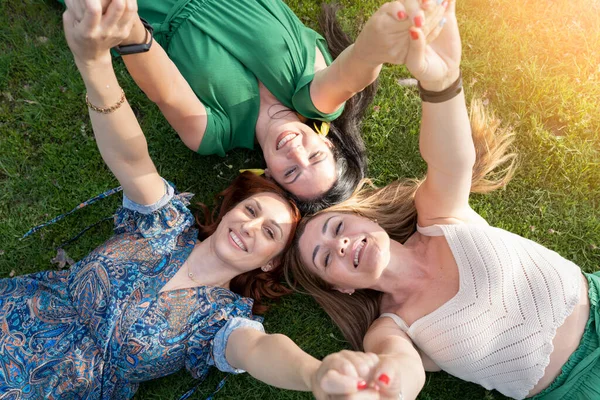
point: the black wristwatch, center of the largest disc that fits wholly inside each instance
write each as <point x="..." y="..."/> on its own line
<point x="137" y="48"/>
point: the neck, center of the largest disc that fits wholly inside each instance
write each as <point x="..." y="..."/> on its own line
<point x="407" y="273"/>
<point x="207" y="268"/>
<point x="270" y="106"/>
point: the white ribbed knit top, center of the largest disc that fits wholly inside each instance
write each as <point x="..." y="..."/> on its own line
<point x="497" y="330"/>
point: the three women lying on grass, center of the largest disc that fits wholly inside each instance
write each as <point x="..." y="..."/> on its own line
<point x="161" y="294"/>
<point x="239" y="72"/>
<point x="411" y="273"/>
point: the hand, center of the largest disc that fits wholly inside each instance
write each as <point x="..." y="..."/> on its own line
<point x="386" y="36"/>
<point x="436" y="65"/>
<point x="91" y="38"/>
<point x="345" y="375"/>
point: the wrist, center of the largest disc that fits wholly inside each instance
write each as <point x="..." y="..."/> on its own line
<point x="441" y="85"/>
<point x="309" y="372"/>
<point x="90" y="66"/>
<point x="137" y="35"/>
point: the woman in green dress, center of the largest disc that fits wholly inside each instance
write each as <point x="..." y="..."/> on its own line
<point x="232" y="74"/>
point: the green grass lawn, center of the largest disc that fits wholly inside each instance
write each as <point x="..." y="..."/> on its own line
<point x="536" y="64"/>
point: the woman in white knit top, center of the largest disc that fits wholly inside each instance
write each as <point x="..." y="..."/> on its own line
<point x="410" y="272"/>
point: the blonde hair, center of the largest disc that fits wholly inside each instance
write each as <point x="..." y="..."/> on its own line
<point x="393" y="208"/>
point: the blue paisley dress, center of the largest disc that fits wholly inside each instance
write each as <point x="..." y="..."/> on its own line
<point x="99" y="329"/>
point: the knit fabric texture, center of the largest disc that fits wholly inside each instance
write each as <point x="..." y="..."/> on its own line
<point x="497" y="331"/>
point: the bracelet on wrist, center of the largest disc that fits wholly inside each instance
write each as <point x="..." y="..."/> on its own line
<point x="439" y="97"/>
<point x="139" y="47"/>
<point x="106" y="110"/>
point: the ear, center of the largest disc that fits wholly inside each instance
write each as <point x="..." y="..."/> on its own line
<point x="267" y="173"/>
<point x="345" y="291"/>
<point x="327" y="141"/>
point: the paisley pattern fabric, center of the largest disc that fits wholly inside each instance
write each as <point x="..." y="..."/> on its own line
<point x="99" y="329"/>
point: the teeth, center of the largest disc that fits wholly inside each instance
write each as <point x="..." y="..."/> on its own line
<point x="237" y="241"/>
<point x="286" y="138"/>
<point x="357" y="252"/>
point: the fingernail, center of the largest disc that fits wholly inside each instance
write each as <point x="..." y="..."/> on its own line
<point x="414" y="36"/>
<point x="383" y="378"/>
<point x="418" y="21"/>
<point x="439" y="2"/>
<point x="361" y="385"/>
<point x="443" y="22"/>
<point x="401" y="15"/>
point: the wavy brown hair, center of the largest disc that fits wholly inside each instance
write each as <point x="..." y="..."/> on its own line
<point x="394" y="210"/>
<point x="256" y="284"/>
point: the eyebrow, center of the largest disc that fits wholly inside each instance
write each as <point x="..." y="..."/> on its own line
<point x="315" y="163"/>
<point x="316" y="250"/>
<point x="272" y="221"/>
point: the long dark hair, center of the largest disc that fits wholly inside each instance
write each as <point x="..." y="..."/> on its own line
<point x="345" y="132"/>
<point x="256" y="284"/>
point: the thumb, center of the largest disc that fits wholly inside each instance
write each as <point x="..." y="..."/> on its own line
<point x="415" y="58"/>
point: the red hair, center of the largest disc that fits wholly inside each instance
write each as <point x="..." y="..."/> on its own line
<point x="256" y="284"/>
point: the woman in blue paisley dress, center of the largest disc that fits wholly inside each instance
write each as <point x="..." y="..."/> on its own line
<point x="154" y="298"/>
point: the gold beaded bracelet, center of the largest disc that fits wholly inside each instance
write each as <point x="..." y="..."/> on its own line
<point x="106" y="110"/>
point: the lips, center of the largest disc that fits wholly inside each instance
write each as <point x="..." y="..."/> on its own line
<point x="359" y="250"/>
<point x="237" y="241"/>
<point x="284" y="138"/>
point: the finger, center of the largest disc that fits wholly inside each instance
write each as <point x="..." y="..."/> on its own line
<point x="363" y="363"/>
<point x="435" y="32"/>
<point x="334" y="382"/>
<point x="415" y="59"/>
<point x="114" y="13"/>
<point x="92" y="14"/>
<point x="415" y="13"/>
<point x="395" y="10"/>
<point x="74" y="7"/>
<point x="433" y="20"/>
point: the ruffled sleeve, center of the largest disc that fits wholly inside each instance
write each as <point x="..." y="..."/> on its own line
<point x="222" y="337"/>
<point x="206" y="347"/>
<point x="162" y="222"/>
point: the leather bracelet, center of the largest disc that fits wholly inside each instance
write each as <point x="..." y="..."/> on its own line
<point x="439" y="97"/>
<point x="106" y="110"/>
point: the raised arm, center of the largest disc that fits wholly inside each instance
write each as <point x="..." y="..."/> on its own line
<point x="120" y="140"/>
<point x="156" y="75"/>
<point x="384" y="39"/>
<point x="159" y="78"/>
<point x="445" y="139"/>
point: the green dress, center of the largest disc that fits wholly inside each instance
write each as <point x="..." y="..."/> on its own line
<point x="224" y="47"/>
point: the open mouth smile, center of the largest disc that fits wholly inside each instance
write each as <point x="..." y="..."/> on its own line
<point x="237" y="241"/>
<point x="358" y="252"/>
<point x="286" y="137"/>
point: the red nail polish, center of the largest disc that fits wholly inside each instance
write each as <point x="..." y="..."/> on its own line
<point x="383" y="378"/>
<point x="414" y="36"/>
<point x="361" y="385"/>
<point x="401" y="15"/>
<point x="418" y="21"/>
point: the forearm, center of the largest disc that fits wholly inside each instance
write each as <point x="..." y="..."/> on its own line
<point x="274" y="359"/>
<point x="153" y="71"/>
<point x="346" y="76"/>
<point x="445" y="141"/>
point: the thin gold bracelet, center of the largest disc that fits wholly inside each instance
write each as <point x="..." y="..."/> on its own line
<point x="106" y="110"/>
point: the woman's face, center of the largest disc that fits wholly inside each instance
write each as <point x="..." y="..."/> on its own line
<point x="254" y="232"/>
<point x="300" y="160"/>
<point x="346" y="250"/>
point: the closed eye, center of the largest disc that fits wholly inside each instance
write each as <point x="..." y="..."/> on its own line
<point x="327" y="259"/>
<point x="315" y="155"/>
<point x="270" y="233"/>
<point x="338" y="229"/>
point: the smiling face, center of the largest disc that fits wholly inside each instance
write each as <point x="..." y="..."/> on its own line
<point x="346" y="250"/>
<point x="299" y="159"/>
<point x="254" y="232"/>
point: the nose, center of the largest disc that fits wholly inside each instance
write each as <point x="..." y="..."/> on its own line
<point x="298" y="154"/>
<point x="341" y="246"/>
<point x="249" y="227"/>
